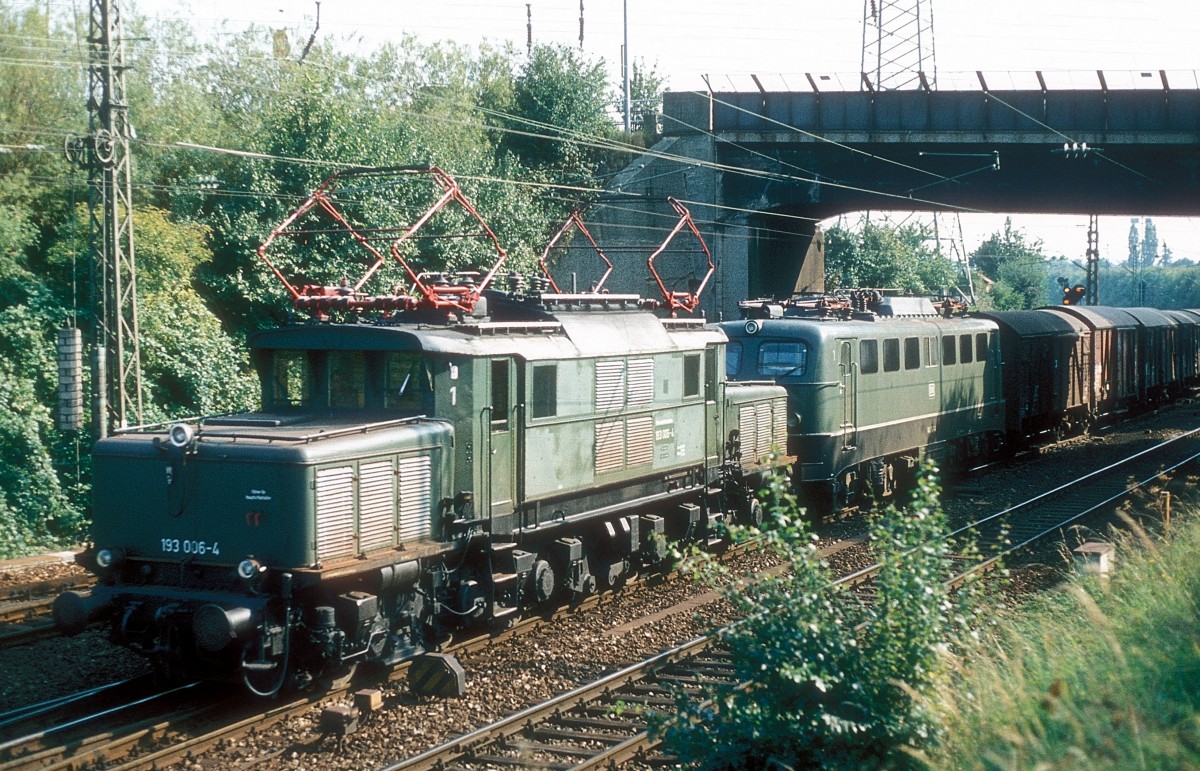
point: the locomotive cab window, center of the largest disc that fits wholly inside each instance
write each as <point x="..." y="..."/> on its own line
<point x="782" y="358"/>
<point x="912" y="353"/>
<point x="291" y="383"/>
<point x="406" y="382"/>
<point x="981" y="347"/>
<point x="949" y="350"/>
<point x="964" y="349"/>
<point x="691" y="375"/>
<point x="544" y="396"/>
<point x="929" y="344"/>
<point x="347" y="372"/>
<point x="500" y="403"/>
<point x="868" y="356"/>
<point x="733" y="359"/>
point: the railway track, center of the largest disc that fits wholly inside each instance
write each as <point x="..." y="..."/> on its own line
<point x="25" y="607"/>
<point x="117" y="735"/>
<point x="591" y="727"/>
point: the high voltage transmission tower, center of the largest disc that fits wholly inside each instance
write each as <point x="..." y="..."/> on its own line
<point x="104" y="152"/>
<point x="898" y="53"/>
<point x="898" y="50"/>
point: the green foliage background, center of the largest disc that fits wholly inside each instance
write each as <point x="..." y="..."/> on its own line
<point x="823" y="682"/>
<point x="491" y="118"/>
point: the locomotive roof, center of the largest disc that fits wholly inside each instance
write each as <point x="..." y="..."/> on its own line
<point x="828" y="329"/>
<point x="570" y="335"/>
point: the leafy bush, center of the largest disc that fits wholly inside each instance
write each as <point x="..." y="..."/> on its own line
<point x="816" y="689"/>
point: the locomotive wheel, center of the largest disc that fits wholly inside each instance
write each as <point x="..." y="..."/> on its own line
<point x="545" y="584"/>
<point x="752" y="513"/>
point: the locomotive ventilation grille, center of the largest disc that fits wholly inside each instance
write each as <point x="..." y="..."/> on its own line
<point x="620" y="383"/>
<point x="372" y="505"/>
<point x="624" y="443"/>
<point x="758" y="424"/>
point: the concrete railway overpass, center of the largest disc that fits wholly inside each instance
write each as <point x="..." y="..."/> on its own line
<point x="760" y="166"/>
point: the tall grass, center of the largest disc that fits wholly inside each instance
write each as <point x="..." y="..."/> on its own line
<point x="1102" y="674"/>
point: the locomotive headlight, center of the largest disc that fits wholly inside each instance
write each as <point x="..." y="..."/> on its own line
<point x="180" y="435"/>
<point x="752" y="327"/>
<point x="107" y="558"/>
<point x="248" y="569"/>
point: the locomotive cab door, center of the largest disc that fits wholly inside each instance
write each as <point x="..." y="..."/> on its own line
<point x="501" y="427"/>
<point x="848" y="374"/>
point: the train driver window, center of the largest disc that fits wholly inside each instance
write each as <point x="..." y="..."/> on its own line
<point x="500" y="404"/>
<point x="544" y="399"/>
<point x="868" y="356"/>
<point x="691" y="375"/>
<point x="347" y="379"/>
<point x="949" y="349"/>
<point x="733" y="359"/>
<point x="291" y="384"/>
<point x="406" y="384"/>
<point x="930" y="346"/>
<point x="782" y="358"/>
<point x="981" y="347"/>
<point x="891" y="354"/>
<point x="912" y="353"/>
<point x="964" y="349"/>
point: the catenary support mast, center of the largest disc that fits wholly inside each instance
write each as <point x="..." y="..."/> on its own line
<point x="104" y="152"/>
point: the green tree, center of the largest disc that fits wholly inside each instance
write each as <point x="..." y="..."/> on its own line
<point x="1016" y="268"/>
<point x="561" y="112"/>
<point x="885" y="257"/>
<point x="814" y="692"/>
<point x="646" y="85"/>
<point x="35" y="506"/>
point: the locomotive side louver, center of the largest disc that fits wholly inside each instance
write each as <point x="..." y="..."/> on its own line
<point x="416" y="493"/>
<point x="610" y="446"/>
<point x="376" y="505"/>
<point x="610" y="385"/>
<point x="762" y="418"/>
<point x="639" y="449"/>
<point x="779" y="415"/>
<point x="748" y="432"/>
<point x="641" y="382"/>
<point x="335" y="512"/>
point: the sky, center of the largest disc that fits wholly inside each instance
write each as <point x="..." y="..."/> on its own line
<point x="727" y="40"/>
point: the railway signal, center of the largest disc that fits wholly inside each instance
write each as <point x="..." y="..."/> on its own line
<point x="1074" y="295"/>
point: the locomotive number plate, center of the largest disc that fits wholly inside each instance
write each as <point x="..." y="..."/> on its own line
<point x="185" y="546"/>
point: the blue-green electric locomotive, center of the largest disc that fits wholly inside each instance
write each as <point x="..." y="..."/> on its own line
<point x="415" y="474"/>
<point x="875" y="385"/>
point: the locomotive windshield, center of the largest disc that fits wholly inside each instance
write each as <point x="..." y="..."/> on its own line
<point x="395" y="381"/>
<point x="782" y="358"/>
<point x="733" y="359"/>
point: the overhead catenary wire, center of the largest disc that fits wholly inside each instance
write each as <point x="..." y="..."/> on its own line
<point x="425" y="117"/>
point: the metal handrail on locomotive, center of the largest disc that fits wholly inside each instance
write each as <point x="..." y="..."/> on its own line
<point x="451" y="458"/>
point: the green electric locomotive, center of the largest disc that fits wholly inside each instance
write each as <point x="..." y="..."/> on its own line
<point x="875" y="386"/>
<point x="442" y="466"/>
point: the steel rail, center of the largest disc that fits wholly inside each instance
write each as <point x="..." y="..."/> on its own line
<point x="638" y="744"/>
